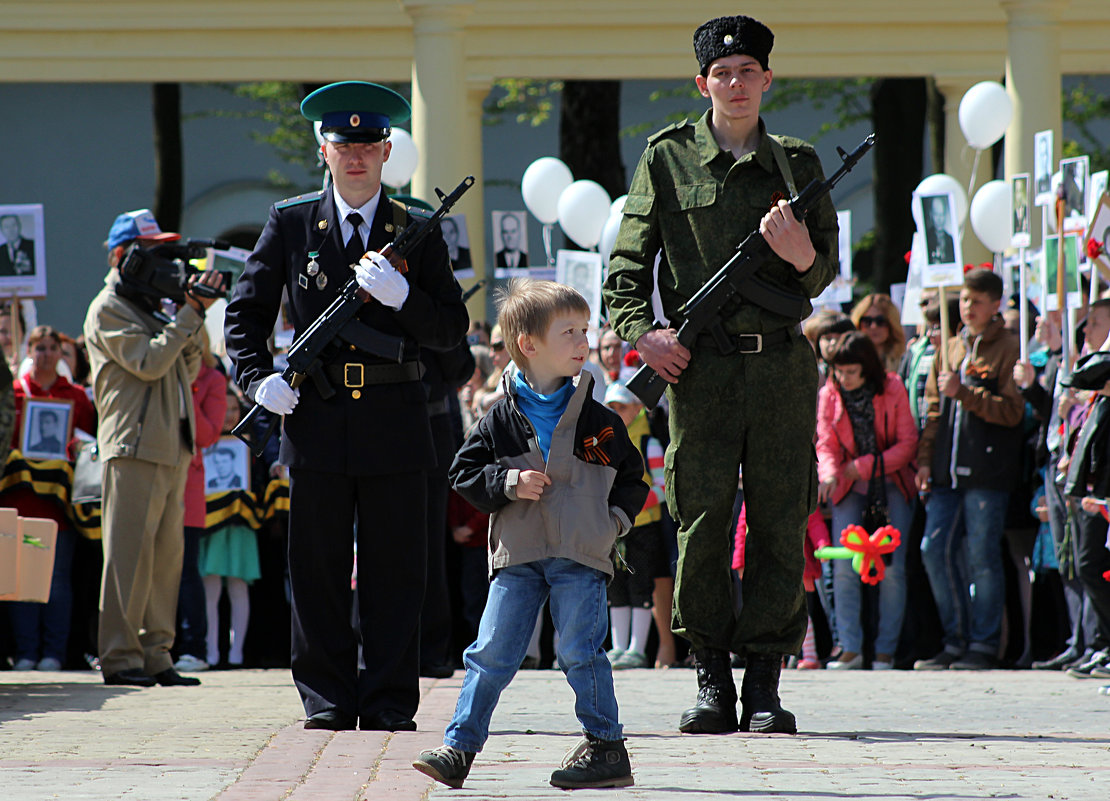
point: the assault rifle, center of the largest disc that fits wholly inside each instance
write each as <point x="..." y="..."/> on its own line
<point x="737" y="278"/>
<point x="337" y="323"/>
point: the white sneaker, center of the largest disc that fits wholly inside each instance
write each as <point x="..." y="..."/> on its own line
<point x="1104" y="690"/>
<point x="49" y="663"/>
<point x="188" y="663"/>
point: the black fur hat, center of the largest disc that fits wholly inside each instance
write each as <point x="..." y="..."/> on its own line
<point x="729" y="36"/>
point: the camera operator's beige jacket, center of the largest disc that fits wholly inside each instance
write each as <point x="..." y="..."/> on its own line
<point x="142" y="374"/>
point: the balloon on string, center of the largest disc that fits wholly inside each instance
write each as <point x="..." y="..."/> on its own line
<point x="583" y="210"/>
<point x="542" y="184"/>
<point x="985" y="113"/>
<point x="941" y="184"/>
<point x="398" y="169"/>
<point x="992" y="215"/>
<point x="609" y="237"/>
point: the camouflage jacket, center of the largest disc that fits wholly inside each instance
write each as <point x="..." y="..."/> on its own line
<point x="692" y="203"/>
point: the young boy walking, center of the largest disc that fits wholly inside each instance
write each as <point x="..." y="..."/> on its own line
<point x="561" y="480"/>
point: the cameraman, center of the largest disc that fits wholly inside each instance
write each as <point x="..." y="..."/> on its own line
<point x="143" y="364"/>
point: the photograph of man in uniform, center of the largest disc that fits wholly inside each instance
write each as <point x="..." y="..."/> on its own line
<point x="48" y="433"/>
<point x="939" y="247"/>
<point x="17" y="254"/>
<point x="1073" y="177"/>
<point x="220" y="468"/>
<point x="1020" y="231"/>
<point x="1071" y="271"/>
<point x="511" y="236"/>
<point x="1042" y="167"/>
<point x="454" y="234"/>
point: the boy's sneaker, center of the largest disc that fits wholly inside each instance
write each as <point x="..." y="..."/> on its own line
<point x="941" y="661"/>
<point x="594" y="763"/>
<point x="446" y="765"/>
<point x="629" y="660"/>
<point x="187" y="663"/>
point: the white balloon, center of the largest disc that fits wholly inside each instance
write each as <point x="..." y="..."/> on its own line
<point x="985" y="113"/>
<point x="583" y="210"/>
<point x="940" y="184"/>
<point x="403" y="158"/>
<point x="609" y="236"/>
<point x="617" y="206"/>
<point x="542" y="184"/>
<point x="992" y="215"/>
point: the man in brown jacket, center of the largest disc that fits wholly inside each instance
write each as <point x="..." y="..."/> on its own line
<point x="143" y="364"/>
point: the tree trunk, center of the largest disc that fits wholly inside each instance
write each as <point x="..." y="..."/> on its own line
<point x="168" y="181"/>
<point x="589" y="133"/>
<point x="898" y="108"/>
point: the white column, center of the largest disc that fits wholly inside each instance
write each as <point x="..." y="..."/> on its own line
<point x="1033" y="82"/>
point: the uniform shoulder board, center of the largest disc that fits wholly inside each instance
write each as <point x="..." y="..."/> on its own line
<point x="299" y="199"/>
<point x="669" y="129"/>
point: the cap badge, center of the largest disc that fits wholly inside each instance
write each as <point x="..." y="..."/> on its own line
<point x="728" y="39"/>
<point x="355" y="120"/>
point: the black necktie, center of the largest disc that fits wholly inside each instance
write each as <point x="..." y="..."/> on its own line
<point x="355" y="248"/>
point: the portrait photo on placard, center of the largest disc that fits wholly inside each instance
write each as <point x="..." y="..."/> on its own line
<point x="22" y="256"/>
<point x="581" y="270"/>
<point x="1073" y="177"/>
<point x="1020" y="232"/>
<point x="45" y="431"/>
<point x="510" y="242"/>
<point x="227" y="466"/>
<point x="453" y="227"/>
<point x="941" y="261"/>
<point x="1042" y="168"/>
<point x="1099" y="235"/>
<point x="1050" y="271"/>
<point x="1099" y="181"/>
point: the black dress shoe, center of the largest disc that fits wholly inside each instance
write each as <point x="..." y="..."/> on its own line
<point x="437" y="671"/>
<point x="331" y="719"/>
<point x="132" y="677"/>
<point x="171" y="678"/>
<point x="386" y="721"/>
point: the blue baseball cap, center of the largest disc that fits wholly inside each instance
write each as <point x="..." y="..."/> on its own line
<point x="355" y="111"/>
<point x="138" y="224"/>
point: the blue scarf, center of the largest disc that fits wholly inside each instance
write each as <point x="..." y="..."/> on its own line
<point x="543" y="411"/>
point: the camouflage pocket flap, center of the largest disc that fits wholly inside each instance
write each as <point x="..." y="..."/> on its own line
<point x="693" y="196"/>
<point x="639" y="205"/>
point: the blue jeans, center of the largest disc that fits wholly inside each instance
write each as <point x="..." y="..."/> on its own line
<point x="962" y="552"/>
<point x="578" y="609"/>
<point x="848" y="588"/>
<point x="42" y="630"/>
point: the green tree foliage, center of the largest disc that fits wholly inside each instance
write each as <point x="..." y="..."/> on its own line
<point x="1081" y="107"/>
<point x="527" y="101"/>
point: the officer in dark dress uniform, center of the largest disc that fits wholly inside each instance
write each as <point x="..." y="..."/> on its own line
<point x="357" y="460"/>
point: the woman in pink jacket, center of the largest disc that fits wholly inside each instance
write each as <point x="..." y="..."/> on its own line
<point x="862" y="411"/>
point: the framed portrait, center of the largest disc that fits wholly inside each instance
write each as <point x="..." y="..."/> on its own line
<point x="227" y="466"/>
<point x="453" y="228"/>
<point x="943" y="258"/>
<point x="1050" y="270"/>
<point x="581" y="270"/>
<point x="1074" y="175"/>
<point x="1100" y="232"/>
<point x="1099" y="181"/>
<point x="1042" y="169"/>
<point x="22" y="254"/>
<point x="1020" y="230"/>
<point x="46" y="428"/>
<point x="840" y="290"/>
<point x="510" y="243"/>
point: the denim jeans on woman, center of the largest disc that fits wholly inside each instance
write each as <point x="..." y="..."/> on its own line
<point x="962" y="552"/>
<point x="581" y="618"/>
<point x="848" y="588"/>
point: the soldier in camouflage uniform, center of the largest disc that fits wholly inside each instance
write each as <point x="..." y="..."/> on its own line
<point x="698" y="190"/>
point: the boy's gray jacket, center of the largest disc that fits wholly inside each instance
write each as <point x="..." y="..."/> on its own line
<point x="596" y="489"/>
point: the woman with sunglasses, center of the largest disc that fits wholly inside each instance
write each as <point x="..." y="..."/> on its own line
<point x="878" y="317"/>
<point x="863" y="425"/>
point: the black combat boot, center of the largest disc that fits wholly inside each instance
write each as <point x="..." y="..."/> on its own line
<point x="759" y="696"/>
<point x="715" y="712"/>
<point x="594" y="763"/>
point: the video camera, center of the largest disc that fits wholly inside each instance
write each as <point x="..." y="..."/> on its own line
<point x="163" y="271"/>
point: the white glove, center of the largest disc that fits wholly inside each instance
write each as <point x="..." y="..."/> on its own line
<point x="275" y="395"/>
<point x="378" y="277"/>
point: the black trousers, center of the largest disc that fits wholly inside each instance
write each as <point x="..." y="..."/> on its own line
<point x="1092" y="560"/>
<point x="391" y="515"/>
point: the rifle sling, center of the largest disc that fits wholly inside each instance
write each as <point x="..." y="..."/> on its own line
<point x="779" y="301"/>
<point x="357" y="333"/>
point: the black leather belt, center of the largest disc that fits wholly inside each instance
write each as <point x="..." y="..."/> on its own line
<point x="752" y="343"/>
<point x="355" y="375"/>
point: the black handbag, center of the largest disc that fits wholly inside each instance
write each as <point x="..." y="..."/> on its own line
<point x="88" y="475"/>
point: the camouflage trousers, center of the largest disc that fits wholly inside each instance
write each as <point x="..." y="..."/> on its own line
<point x="758" y="411"/>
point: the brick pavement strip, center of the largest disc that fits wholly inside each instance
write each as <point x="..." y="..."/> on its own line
<point x="897" y="735"/>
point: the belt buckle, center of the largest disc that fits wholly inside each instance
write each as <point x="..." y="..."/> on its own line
<point x="756" y="348"/>
<point x="354" y="383"/>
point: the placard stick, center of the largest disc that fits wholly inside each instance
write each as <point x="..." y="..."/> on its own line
<point x="1061" y="287"/>
<point x="1023" y="308"/>
<point x="943" y="330"/>
<point x="16" y="313"/>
